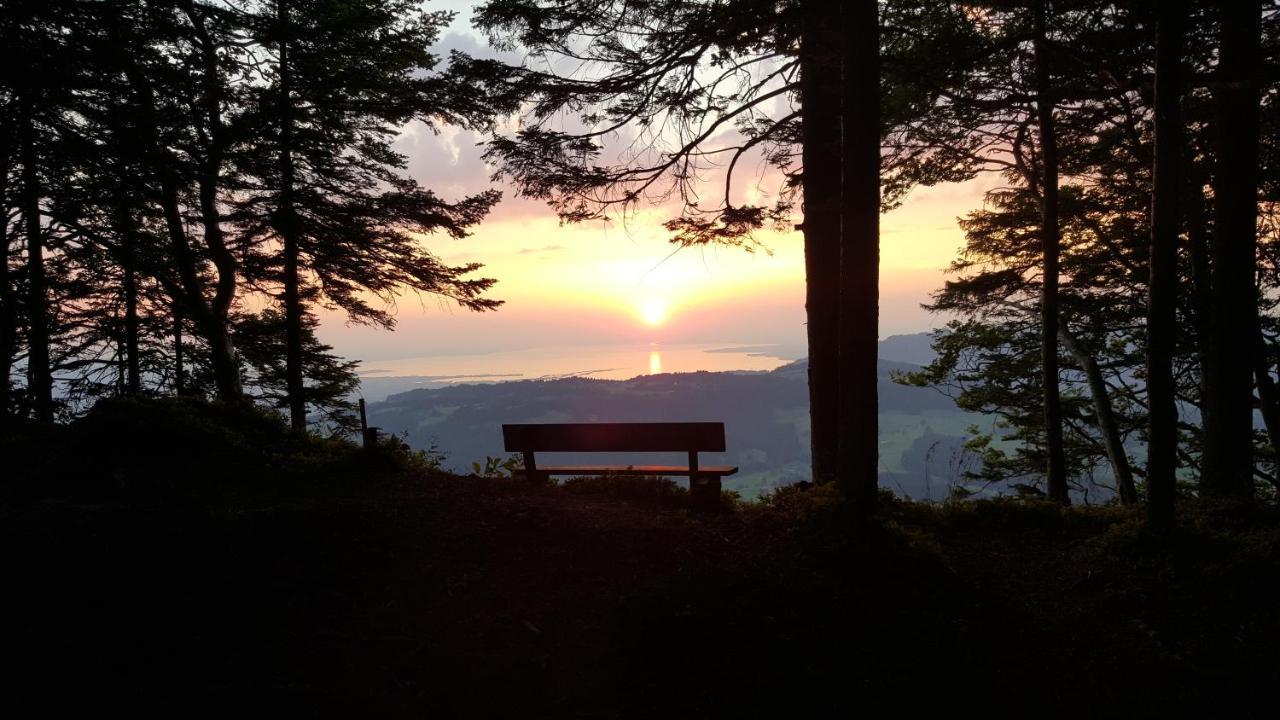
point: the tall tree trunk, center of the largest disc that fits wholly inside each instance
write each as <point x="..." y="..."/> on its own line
<point x="128" y="265"/>
<point x="287" y="226"/>
<point x="209" y="317"/>
<point x="860" y="256"/>
<point x="1229" y="439"/>
<point x="133" y="367"/>
<point x="820" y="98"/>
<point x="39" y="374"/>
<point x="1162" y="302"/>
<point x="1111" y="439"/>
<point x="8" y="298"/>
<point x="1201" y="298"/>
<point x="212" y="317"/>
<point x="121" y="362"/>
<point x="1056" y="469"/>
<point x="222" y="355"/>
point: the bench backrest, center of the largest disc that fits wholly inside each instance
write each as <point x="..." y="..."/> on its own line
<point x="614" y="437"/>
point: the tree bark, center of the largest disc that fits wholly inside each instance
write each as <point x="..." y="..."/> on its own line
<point x="860" y="257"/>
<point x="1201" y="299"/>
<point x="39" y="374"/>
<point x="8" y="298"/>
<point x="129" y="282"/>
<point x="1229" y="439"/>
<point x="287" y="227"/>
<point x="820" y="126"/>
<point x="1162" y="289"/>
<point x="1268" y="395"/>
<point x="1056" y="466"/>
<point x="179" y="369"/>
<point x="1111" y="439"/>
<point x="214" y="323"/>
<point x="209" y="317"/>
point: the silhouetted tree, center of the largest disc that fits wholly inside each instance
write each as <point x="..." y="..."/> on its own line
<point x="820" y="98"/>
<point x="987" y="119"/>
<point x="1167" y="187"/>
<point x="348" y="74"/>
<point x="1049" y="316"/>
<point x="185" y="120"/>
<point x="698" y="82"/>
<point x="331" y="381"/>
<point x="32" y="81"/>
<point x="8" y="289"/>
<point x="1228" y="444"/>
<point x="860" y="253"/>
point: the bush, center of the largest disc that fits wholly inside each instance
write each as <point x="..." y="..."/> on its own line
<point x="637" y="487"/>
<point x="179" y="444"/>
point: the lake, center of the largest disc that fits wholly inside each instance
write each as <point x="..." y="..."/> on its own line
<point x="610" y="362"/>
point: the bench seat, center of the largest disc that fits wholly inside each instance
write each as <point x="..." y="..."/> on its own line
<point x="663" y="470"/>
<point x="529" y="439"/>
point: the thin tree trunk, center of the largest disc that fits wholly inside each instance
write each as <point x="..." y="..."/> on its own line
<point x="1162" y="303"/>
<point x="860" y="256"/>
<point x="222" y="354"/>
<point x="820" y="98"/>
<point x="39" y="375"/>
<point x="133" y="368"/>
<point x="1111" y="438"/>
<point x="210" y="317"/>
<point x="1229" y="440"/>
<point x="213" y="319"/>
<point x="1268" y="395"/>
<point x="132" y="363"/>
<point x="1201" y="300"/>
<point x="8" y="299"/>
<point x="121" y="362"/>
<point x="1056" y="469"/>
<point x="179" y="371"/>
<point x="288" y="230"/>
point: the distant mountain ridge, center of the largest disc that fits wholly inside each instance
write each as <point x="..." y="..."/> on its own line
<point x="916" y="348"/>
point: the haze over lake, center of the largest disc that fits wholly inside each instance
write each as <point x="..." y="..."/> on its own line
<point x="605" y="361"/>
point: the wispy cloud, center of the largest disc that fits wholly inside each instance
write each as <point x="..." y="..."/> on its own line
<point x="548" y="248"/>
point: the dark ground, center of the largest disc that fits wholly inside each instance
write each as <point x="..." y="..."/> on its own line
<point x="463" y="597"/>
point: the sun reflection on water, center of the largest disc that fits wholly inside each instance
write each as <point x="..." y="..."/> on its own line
<point x="655" y="362"/>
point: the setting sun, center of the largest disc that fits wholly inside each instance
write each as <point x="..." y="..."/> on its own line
<point x="653" y="311"/>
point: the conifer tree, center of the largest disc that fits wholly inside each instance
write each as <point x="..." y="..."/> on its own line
<point x="1056" y="471"/>
<point x="348" y="75"/>
<point x="1228" y="443"/>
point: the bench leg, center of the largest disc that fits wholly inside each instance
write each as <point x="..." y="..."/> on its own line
<point x="704" y="492"/>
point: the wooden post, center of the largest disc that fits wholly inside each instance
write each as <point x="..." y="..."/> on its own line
<point x="368" y="435"/>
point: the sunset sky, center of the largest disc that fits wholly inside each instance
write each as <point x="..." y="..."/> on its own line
<point x="619" y="282"/>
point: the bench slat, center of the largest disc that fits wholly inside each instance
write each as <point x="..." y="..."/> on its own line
<point x="615" y="437"/>
<point x="675" y="470"/>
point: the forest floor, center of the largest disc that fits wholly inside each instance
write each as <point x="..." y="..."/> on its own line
<point x="428" y="595"/>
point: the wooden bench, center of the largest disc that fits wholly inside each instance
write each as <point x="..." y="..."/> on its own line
<point x="695" y="437"/>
